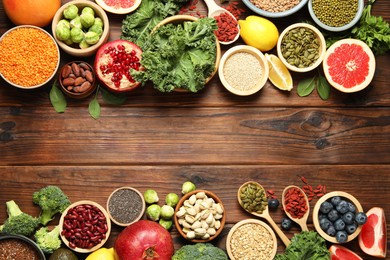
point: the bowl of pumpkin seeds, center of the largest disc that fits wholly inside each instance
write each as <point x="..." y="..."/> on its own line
<point x="301" y="47"/>
<point x="335" y="15"/>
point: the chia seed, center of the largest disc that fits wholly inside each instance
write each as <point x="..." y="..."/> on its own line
<point x="125" y="205"/>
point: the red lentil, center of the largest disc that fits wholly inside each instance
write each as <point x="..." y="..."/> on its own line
<point x="295" y="203"/>
<point x="17" y="249"/>
<point x="227" y="27"/>
<point x="28" y="56"/>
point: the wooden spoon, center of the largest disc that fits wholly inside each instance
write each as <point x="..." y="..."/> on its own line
<point x="302" y="222"/>
<point x="265" y="214"/>
<point x="215" y="10"/>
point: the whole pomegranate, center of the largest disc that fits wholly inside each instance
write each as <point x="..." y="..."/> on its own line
<point x="33" y="12"/>
<point x="113" y="63"/>
<point x="144" y="240"/>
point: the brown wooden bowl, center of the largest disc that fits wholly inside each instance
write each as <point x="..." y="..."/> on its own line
<point x="80" y="222"/>
<point x="346" y="196"/>
<point x="183" y="202"/>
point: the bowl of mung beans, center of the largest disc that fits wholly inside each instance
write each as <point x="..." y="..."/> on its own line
<point x="29" y="57"/>
<point x="335" y="15"/>
<point x="275" y="9"/>
<point x="243" y="70"/>
<point x="251" y="239"/>
<point x="301" y="47"/>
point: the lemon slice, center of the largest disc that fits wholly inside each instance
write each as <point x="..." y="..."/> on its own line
<point x="279" y="75"/>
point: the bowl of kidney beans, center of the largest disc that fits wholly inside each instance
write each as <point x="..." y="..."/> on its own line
<point x="85" y="226"/>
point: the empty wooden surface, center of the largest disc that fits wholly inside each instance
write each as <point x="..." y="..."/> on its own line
<point x="213" y="138"/>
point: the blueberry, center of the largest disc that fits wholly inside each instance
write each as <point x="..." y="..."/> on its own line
<point x="335" y="200"/>
<point x="342" y="207"/>
<point x="286" y="223"/>
<point x="273" y="204"/>
<point x="331" y="231"/>
<point x="333" y="215"/>
<point x="341" y="236"/>
<point x="361" y="218"/>
<point x="325" y="224"/>
<point x="325" y="207"/>
<point x="339" y="224"/>
<point x="351" y="228"/>
<point x="348" y="218"/>
<point x="351" y="208"/>
<point x="321" y="216"/>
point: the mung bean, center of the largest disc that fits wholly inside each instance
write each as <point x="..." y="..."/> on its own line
<point x="335" y="13"/>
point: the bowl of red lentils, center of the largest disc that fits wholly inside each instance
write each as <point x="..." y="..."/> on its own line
<point x="251" y="239"/>
<point x="336" y="16"/>
<point x="243" y="70"/>
<point x="275" y="9"/>
<point x="29" y="57"/>
<point x="85" y="226"/>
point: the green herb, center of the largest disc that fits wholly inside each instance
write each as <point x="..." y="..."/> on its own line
<point x="373" y="30"/>
<point x="57" y="99"/>
<point x="179" y="56"/>
<point x="323" y="88"/>
<point x="306" y="87"/>
<point x="307" y="245"/>
<point x="111" y="98"/>
<point x="136" y="27"/>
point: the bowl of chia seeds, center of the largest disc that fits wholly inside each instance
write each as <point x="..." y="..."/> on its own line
<point x="125" y="206"/>
<point x="275" y="9"/>
<point x="336" y="16"/>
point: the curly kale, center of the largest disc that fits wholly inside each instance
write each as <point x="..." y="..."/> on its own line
<point x="52" y="200"/>
<point x="200" y="251"/>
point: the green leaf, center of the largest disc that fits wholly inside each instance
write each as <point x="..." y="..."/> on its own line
<point x="113" y="99"/>
<point x="323" y="88"/>
<point x="94" y="108"/>
<point x="306" y="86"/>
<point x="57" y="99"/>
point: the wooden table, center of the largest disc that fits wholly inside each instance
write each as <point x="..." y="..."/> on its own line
<point x="213" y="138"/>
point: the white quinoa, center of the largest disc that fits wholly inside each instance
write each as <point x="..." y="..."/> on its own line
<point x="242" y="71"/>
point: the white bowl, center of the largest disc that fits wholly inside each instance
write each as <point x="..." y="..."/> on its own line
<point x="265" y="13"/>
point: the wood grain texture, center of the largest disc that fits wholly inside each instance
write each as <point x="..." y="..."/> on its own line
<point x="213" y="138"/>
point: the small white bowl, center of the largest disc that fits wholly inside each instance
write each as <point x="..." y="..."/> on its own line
<point x="265" y="13"/>
<point x="340" y="28"/>
<point x="263" y="66"/>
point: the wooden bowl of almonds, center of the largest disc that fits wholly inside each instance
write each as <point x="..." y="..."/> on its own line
<point x="199" y="216"/>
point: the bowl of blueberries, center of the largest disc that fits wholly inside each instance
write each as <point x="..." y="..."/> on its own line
<point x="338" y="217"/>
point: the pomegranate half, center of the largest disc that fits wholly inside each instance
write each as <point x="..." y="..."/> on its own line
<point x="113" y="63"/>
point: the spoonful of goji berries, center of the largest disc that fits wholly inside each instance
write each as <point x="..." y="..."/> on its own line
<point x="296" y="205"/>
<point x="228" y="28"/>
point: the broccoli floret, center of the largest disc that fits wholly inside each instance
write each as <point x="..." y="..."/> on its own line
<point x="18" y="222"/>
<point x="47" y="240"/>
<point x="52" y="200"/>
<point x="200" y="251"/>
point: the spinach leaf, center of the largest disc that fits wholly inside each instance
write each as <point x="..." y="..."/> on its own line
<point x="94" y="108"/>
<point x="111" y="98"/>
<point x="306" y="87"/>
<point x="323" y="88"/>
<point x="57" y="99"/>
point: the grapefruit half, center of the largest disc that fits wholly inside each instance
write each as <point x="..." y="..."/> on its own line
<point x="373" y="237"/>
<point x="349" y="65"/>
<point x="338" y="252"/>
<point x="119" y="6"/>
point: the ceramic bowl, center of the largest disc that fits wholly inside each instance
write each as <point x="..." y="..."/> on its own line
<point x="269" y="244"/>
<point x="74" y="90"/>
<point x="129" y="202"/>
<point x="26" y="70"/>
<point x="22" y="244"/>
<point x="316" y="212"/>
<point x="270" y="14"/>
<point x="321" y="47"/>
<point x="323" y="25"/>
<point x="74" y="49"/>
<point x="82" y="212"/>
<point x="184" y="213"/>
<point x="234" y="83"/>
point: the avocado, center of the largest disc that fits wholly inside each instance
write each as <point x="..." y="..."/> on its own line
<point x="63" y="254"/>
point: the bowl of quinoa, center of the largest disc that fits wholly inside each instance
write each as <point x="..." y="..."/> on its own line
<point x="29" y="57"/>
<point x="19" y="247"/>
<point x="275" y="8"/>
<point x="243" y="70"/>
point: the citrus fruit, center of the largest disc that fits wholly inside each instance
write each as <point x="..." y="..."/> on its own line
<point x="349" y="65"/>
<point x="338" y="252"/>
<point x="373" y="237"/>
<point x="119" y="6"/>
<point x="102" y="254"/>
<point x="279" y="75"/>
<point x="259" y="32"/>
<point x="32" y="12"/>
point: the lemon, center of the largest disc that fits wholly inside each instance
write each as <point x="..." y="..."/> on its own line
<point x="279" y="75"/>
<point x="259" y="32"/>
<point x="102" y="254"/>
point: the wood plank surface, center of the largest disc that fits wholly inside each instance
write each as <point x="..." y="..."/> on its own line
<point x="213" y="138"/>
